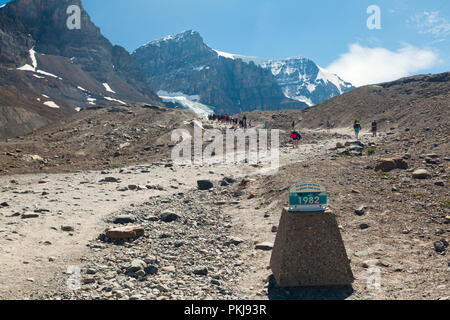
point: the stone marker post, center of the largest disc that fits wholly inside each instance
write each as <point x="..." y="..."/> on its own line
<point x="309" y="250"/>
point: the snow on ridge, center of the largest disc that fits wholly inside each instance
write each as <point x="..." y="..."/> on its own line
<point x="34" y="66"/>
<point x="225" y="54"/>
<point x="327" y="76"/>
<point x="189" y="102"/>
<point x="51" y="104"/>
<point x="115" y="100"/>
<point x="108" y="88"/>
<point x="177" y="37"/>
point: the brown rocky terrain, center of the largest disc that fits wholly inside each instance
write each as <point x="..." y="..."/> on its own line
<point x="96" y="139"/>
<point x="389" y="193"/>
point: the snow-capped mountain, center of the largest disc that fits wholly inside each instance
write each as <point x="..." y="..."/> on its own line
<point x="300" y="78"/>
<point x="189" y="71"/>
<point x="183" y="64"/>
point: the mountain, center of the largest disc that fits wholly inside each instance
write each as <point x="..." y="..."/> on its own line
<point x="183" y="68"/>
<point x="300" y="78"/>
<point x="48" y="71"/>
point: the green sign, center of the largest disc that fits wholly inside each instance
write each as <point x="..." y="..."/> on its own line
<point x="307" y="197"/>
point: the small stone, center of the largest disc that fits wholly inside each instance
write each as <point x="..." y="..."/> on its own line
<point x="151" y="270"/>
<point x="88" y="280"/>
<point x="421" y="174"/>
<point x="204" y="185"/>
<point x="110" y="180"/>
<point x="361" y="210"/>
<point x="440" y="183"/>
<point x="4" y="204"/>
<point x="169" y="216"/>
<point x="370" y="263"/>
<point x="364" y="226"/>
<point x="136" y="265"/>
<point x="439" y="246"/>
<point x="265" y="246"/>
<point x="124" y="219"/>
<point x="67" y="228"/>
<point x="170" y="269"/>
<point x="235" y="241"/>
<point x="201" y="271"/>
<point x="30" y="215"/>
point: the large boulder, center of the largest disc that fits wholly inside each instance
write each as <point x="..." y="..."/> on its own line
<point x="387" y="165"/>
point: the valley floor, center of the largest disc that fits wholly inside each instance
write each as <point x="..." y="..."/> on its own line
<point x="209" y="252"/>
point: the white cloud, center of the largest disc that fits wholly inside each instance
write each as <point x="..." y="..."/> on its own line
<point x="431" y="23"/>
<point x="362" y="66"/>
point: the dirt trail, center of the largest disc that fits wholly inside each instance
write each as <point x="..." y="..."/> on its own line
<point x="33" y="250"/>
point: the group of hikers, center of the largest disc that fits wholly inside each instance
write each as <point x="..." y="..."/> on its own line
<point x="296" y="135"/>
<point x="243" y="123"/>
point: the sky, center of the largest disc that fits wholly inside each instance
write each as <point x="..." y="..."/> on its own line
<point x="412" y="36"/>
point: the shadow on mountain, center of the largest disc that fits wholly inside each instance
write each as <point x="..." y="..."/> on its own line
<point x="308" y="293"/>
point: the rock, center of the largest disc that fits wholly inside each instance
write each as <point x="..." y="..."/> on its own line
<point x="274" y="229"/>
<point x="362" y="253"/>
<point x="136" y="265"/>
<point x="4" y="204"/>
<point x="370" y="263"/>
<point x="151" y="270"/>
<point x="361" y="210"/>
<point x="265" y="246"/>
<point x="140" y="273"/>
<point x="124" y="219"/>
<point x="91" y="271"/>
<point x="387" y="165"/>
<point x="88" y="280"/>
<point x="170" y="269"/>
<point x="110" y="180"/>
<point x="67" y="228"/>
<point x="234" y="241"/>
<point x="339" y="145"/>
<point x="204" y="185"/>
<point x="169" y="216"/>
<point x="30" y="215"/>
<point x="125" y="233"/>
<point x="421" y="174"/>
<point x="439" y="246"/>
<point x="201" y="271"/>
<point x="440" y="183"/>
<point x="364" y="226"/>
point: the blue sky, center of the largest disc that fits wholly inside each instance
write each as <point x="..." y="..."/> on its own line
<point x="413" y="37"/>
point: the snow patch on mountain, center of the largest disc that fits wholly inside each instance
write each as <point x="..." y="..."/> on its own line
<point x="51" y="104"/>
<point x="114" y="100"/>
<point x="188" y="102"/>
<point x="108" y="88"/>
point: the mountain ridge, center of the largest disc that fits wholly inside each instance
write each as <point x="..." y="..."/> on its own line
<point x="51" y="71"/>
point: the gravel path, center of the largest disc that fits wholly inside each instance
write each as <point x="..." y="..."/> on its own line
<point x="51" y="222"/>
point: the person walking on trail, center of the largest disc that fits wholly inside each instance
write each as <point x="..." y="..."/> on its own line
<point x="374" y="128"/>
<point x="296" y="137"/>
<point x="328" y="126"/>
<point x="357" y="127"/>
